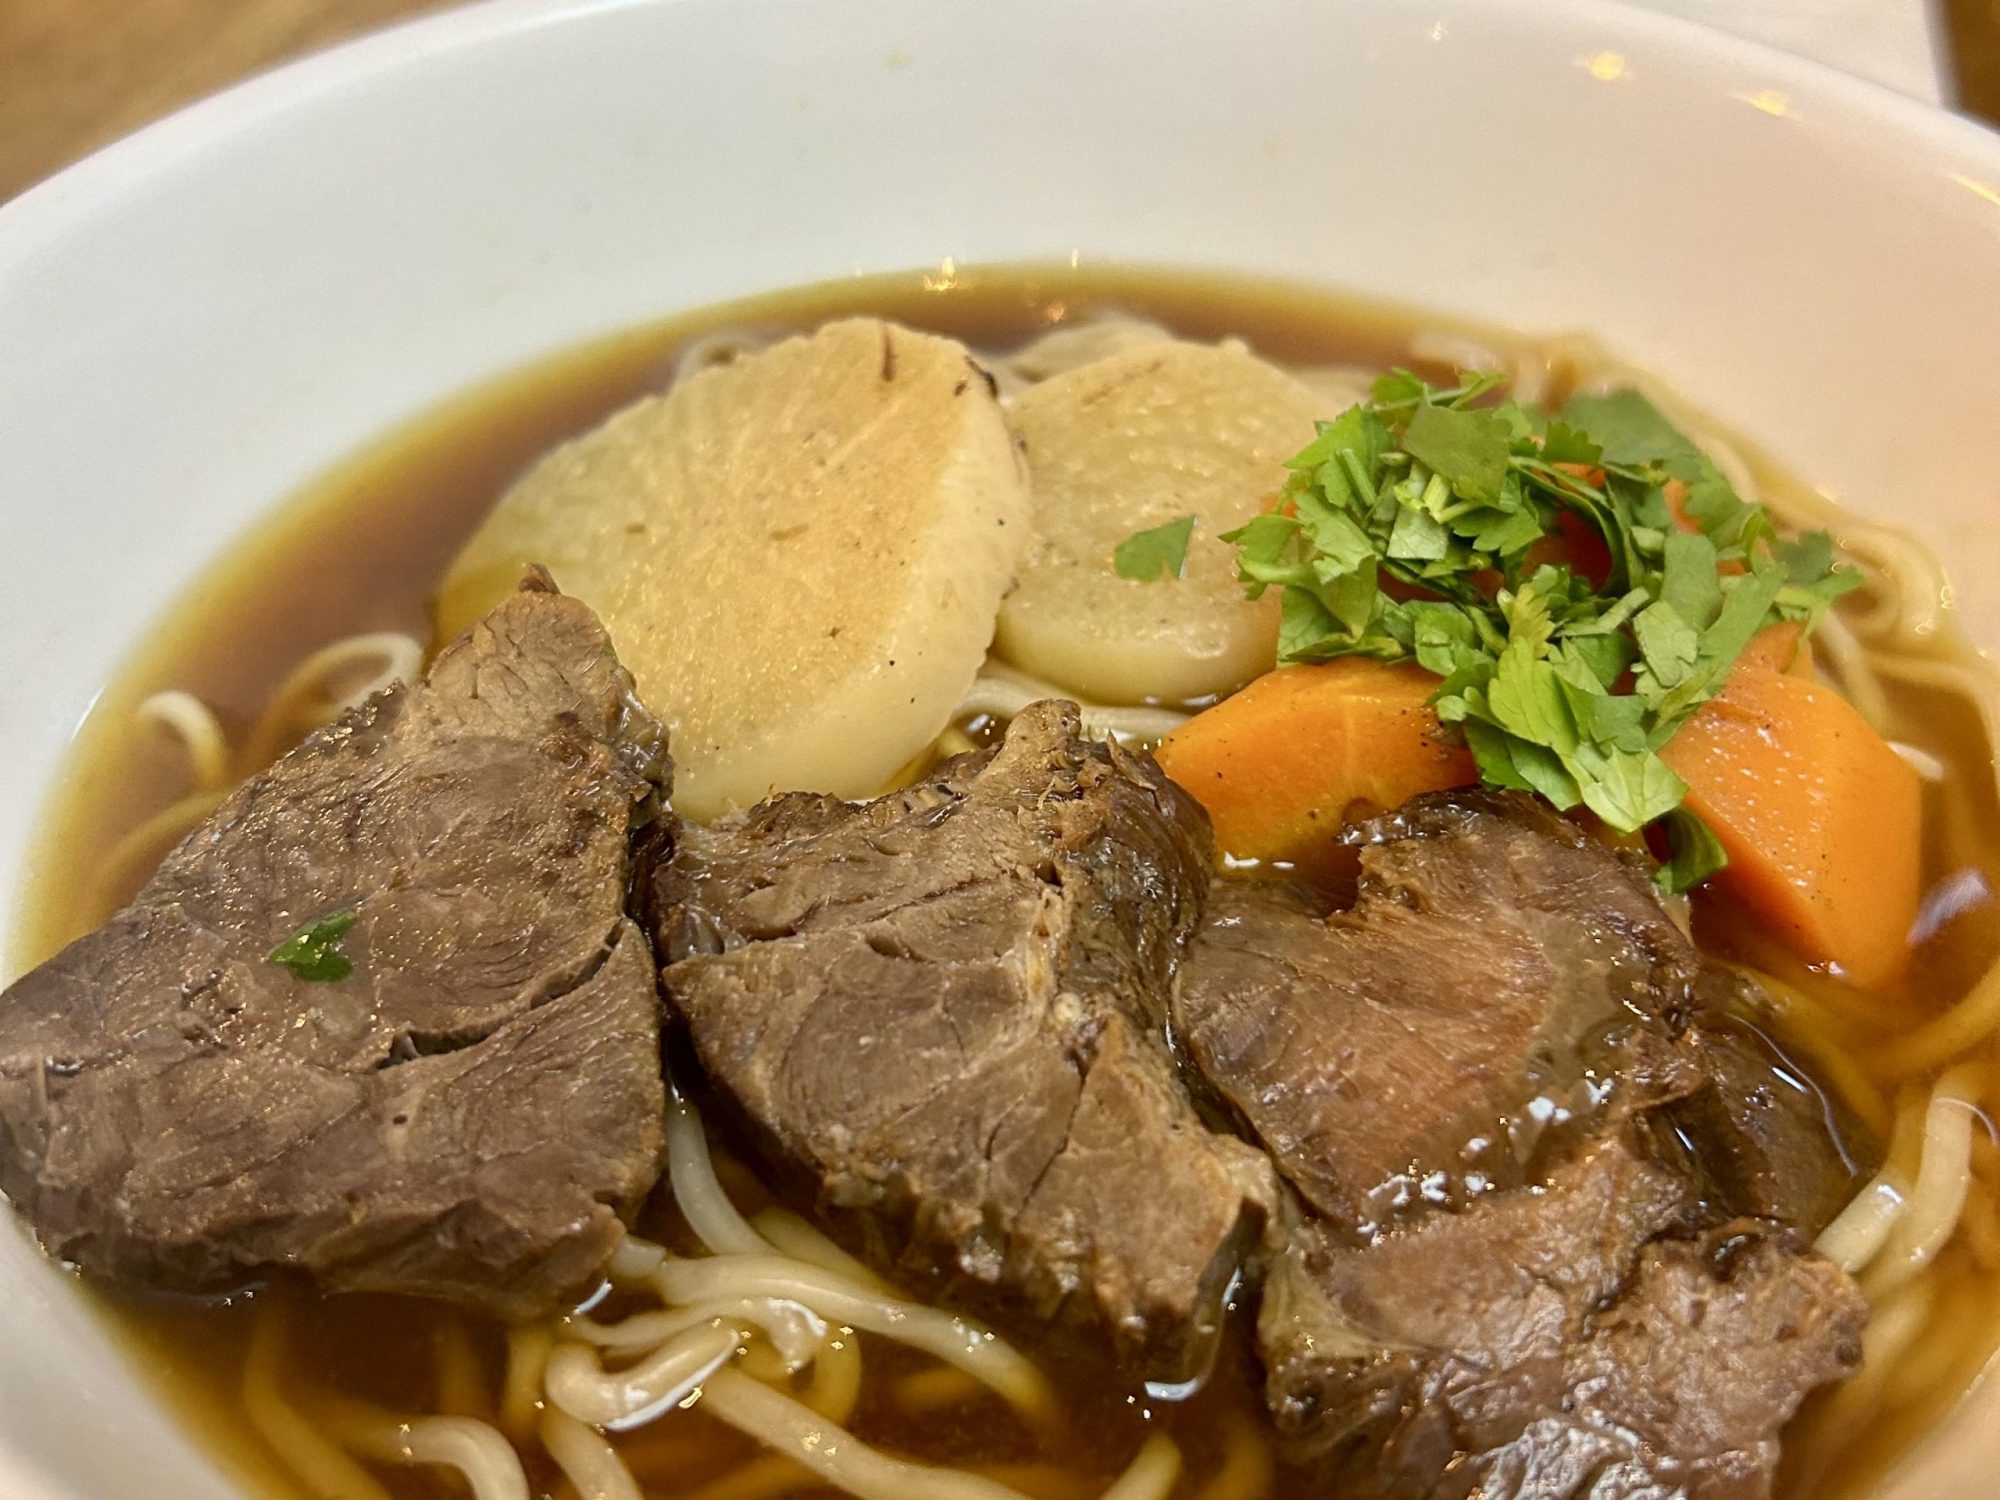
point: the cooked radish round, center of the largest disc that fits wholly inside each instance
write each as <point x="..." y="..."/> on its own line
<point x="799" y="555"/>
<point x="1129" y="442"/>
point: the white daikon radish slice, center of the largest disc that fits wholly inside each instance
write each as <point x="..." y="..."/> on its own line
<point x="1069" y="345"/>
<point x="799" y="555"/>
<point x="1156" y="432"/>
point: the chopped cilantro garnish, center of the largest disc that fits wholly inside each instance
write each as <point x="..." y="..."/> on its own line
<point x="1157" y="552"/>
<point x="1629" y="429"/>
<point x="1693" y="852"/>
<point x="1422" y="526"/>
<point x="313" y="953"/>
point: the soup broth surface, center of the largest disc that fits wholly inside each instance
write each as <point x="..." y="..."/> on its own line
<point x="363" y="549"/>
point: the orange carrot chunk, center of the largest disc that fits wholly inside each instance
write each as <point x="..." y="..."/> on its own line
<point x="1820" y="818"/>
<point x="1282" y="764"/>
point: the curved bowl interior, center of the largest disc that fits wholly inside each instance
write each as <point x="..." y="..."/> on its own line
<point x="198" y="320"/>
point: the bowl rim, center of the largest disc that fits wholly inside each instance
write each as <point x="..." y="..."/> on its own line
<point x="38" y="221"/>
<point x="43" y="212"/>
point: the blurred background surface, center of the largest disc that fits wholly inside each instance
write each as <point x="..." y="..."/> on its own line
<point x="75" y="74"/>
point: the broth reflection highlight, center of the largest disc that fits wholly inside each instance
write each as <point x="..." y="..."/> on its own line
<point x="349" y="1394"/>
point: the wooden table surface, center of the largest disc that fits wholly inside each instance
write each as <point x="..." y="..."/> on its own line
<point x="75" y="74"/>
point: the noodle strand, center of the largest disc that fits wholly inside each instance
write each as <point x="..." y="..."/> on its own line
<point x="461" y="1385"/>
<point x="1247" y="1465"/>
<point x="937" y="1333"/>
<point x="836" y="1378"/>
<point x="1001" y="692"/>
<point x="767" y="1475"/>
<point x="528" y="1346"/>
<point x="798" y="1239"/>
<point x="1943" y="1178"/>
<point x="792" y="1328"/>
<point x="312" y="696"/>
<point x="579" y="1385"/>
<point x="476" y="1450"/>
<point x="194" y="722"/>
<point x="320" y="1466"/>
<point x="587" y="1461"/>
<point x="789" y="1427"/>
<point x="697" y="1192"/>
<point x="1153" y="1473"/>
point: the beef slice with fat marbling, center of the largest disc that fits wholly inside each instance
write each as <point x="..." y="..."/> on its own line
<point x="1525" y="1130"/>
<point x="469" y="1112"/>
<point x="942" y="1014"/>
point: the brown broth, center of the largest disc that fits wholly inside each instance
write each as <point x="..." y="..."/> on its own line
<point x="380" y="531"/>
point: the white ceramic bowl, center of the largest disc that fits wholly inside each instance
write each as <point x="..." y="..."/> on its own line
<point x="197" y="320"/>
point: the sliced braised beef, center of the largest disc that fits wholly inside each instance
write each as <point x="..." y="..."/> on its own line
<point x="1587" y="1339"/>
<point x="1396" y="1058"/>
<point x="1523" y="1133"/>
<point x="942" y="1014"/>
<point x="457" y="1095"/>
<point x="1767" y="1139"/>
<point x="1448" y="1338"/>
<point x="1695" y="1367"/>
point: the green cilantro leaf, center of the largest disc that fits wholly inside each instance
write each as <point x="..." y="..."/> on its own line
<point x="1505" y="760"/>
<point x="1746" y="609"/>
<point x="1399" y="389"/>
<point x="1627" y="789"/>
<point x="1693" y="852"/>
<point x="1629" y="429"/>
<point x="1606" y="654"/>
<point x="1467" y="449"/>
<point x="1669" y="647"/>
<point x="1564" y="444"/>
<point x="1725" y="518"/>
<point x="1526" y="699"/>
<point x="1806" y="557"/>
<point x="1418" y="537"/>
<point x="313" y="953"/>
<point x="1340" y="544"/>
<point x="1561" y="680"/>
<point x="1267" y="553"/>
<point x="1812" y="579"/>
<point x="1510" y="533"/>
<point x="1442" y="637"/>
<point x="1157" y="552"/>
<point x="1689" y="580"/>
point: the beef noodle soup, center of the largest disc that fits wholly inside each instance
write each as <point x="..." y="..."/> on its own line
<point x="1408" y="1136"/>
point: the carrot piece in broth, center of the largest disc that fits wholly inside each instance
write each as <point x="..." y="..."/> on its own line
<point x="1821" y="819"/>
<point x="1283" y="763"/>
